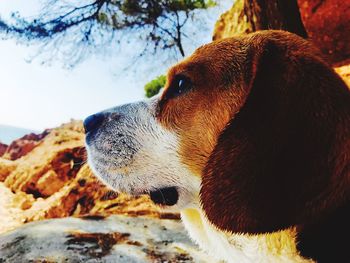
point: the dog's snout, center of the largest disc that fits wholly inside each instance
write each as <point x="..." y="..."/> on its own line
<point x="93" y="122"/>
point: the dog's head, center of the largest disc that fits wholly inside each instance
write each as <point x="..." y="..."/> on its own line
<point x="254" y="128"/>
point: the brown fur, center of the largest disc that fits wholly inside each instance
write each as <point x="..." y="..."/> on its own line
<point x="200" y="115"/>
<point x="267" y="126"/>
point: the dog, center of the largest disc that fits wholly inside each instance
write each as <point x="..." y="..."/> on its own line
<point x="250" y="141"/>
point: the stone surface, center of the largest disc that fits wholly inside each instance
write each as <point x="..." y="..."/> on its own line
<point x="97" y="239"/>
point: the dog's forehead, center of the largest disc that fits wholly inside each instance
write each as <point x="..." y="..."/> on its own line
<point x="226" y="44"/>
<point x="213" y="51"/>
<point x="211" y="62"/>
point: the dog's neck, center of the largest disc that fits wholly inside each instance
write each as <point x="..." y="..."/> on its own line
<point x="274" y="247"/>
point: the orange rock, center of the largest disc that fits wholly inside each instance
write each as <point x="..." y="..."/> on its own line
<point x="3" y="148"/>
<point x="53" y="180"/>
<point x="344" y="72"/>
<point x="326" y="22"/>
<point x="24" y="145"/>
<point x="328" y="26"/>
<point x="6" y="167"/>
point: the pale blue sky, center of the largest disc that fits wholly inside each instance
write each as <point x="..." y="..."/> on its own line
<point x="38" y="97"/>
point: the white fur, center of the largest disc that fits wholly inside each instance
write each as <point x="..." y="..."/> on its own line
<point x="156" y="164"/>
<point x="274" y="247"/>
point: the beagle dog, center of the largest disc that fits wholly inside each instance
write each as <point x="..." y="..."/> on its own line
<point x="250" y="141"/>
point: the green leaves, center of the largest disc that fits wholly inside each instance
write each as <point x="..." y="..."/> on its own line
<point x="128" y="13"/>
<point x="103" y="18"/>
<point x="187" y="5"/>
<point x="152" y="88"/>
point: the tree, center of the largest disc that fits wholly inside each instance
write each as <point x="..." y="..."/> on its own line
<point x="154" y="86"/>
<point x="75" y="26"/>
<point x="275" y="14"/>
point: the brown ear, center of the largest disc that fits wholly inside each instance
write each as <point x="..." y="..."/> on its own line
<point x="284" y="158"/>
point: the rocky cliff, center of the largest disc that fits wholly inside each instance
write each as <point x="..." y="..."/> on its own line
<point x="23" y="145"/>
<point x="46" y="176"/>
<point x="326" y="21"/>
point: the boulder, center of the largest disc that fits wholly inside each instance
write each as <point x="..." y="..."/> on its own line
<point x="328" y="26"/>
<point x="99" y="239"/>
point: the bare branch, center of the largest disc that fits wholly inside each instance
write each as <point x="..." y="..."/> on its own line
<point x="91" y="25"/>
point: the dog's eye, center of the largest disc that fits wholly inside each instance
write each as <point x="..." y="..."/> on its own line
<point x="180" y="85"/>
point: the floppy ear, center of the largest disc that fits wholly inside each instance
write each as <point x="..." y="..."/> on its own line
<point x="284" y="158"/>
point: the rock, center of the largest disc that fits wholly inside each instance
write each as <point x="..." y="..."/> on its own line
<point x="23" y="145"/>
<point x="344" y="72"/>
<point x="3" y="148"/>
<point x="232" y="22"/>
<point x="6" y="167"/>
<point x="326" y="22"/>
<point x="98" y="239"/>
<point x="54" y="181"/>
<point x="61" y="152"/>
<point x="328" y="26"/>
<point x="12" y="208"/>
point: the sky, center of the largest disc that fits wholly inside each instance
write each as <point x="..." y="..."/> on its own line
<point x="36" y="96"/>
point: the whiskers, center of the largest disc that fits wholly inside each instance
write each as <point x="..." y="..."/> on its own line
<point x="163" y="197"/>
<point x="81" y="163"/>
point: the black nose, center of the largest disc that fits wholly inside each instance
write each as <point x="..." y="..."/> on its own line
<point x="93" y="122"/>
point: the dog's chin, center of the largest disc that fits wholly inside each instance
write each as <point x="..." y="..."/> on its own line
<point x="173" y="198"/>
<point x="165" y="196"/>
<point x="168" y="198"/>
